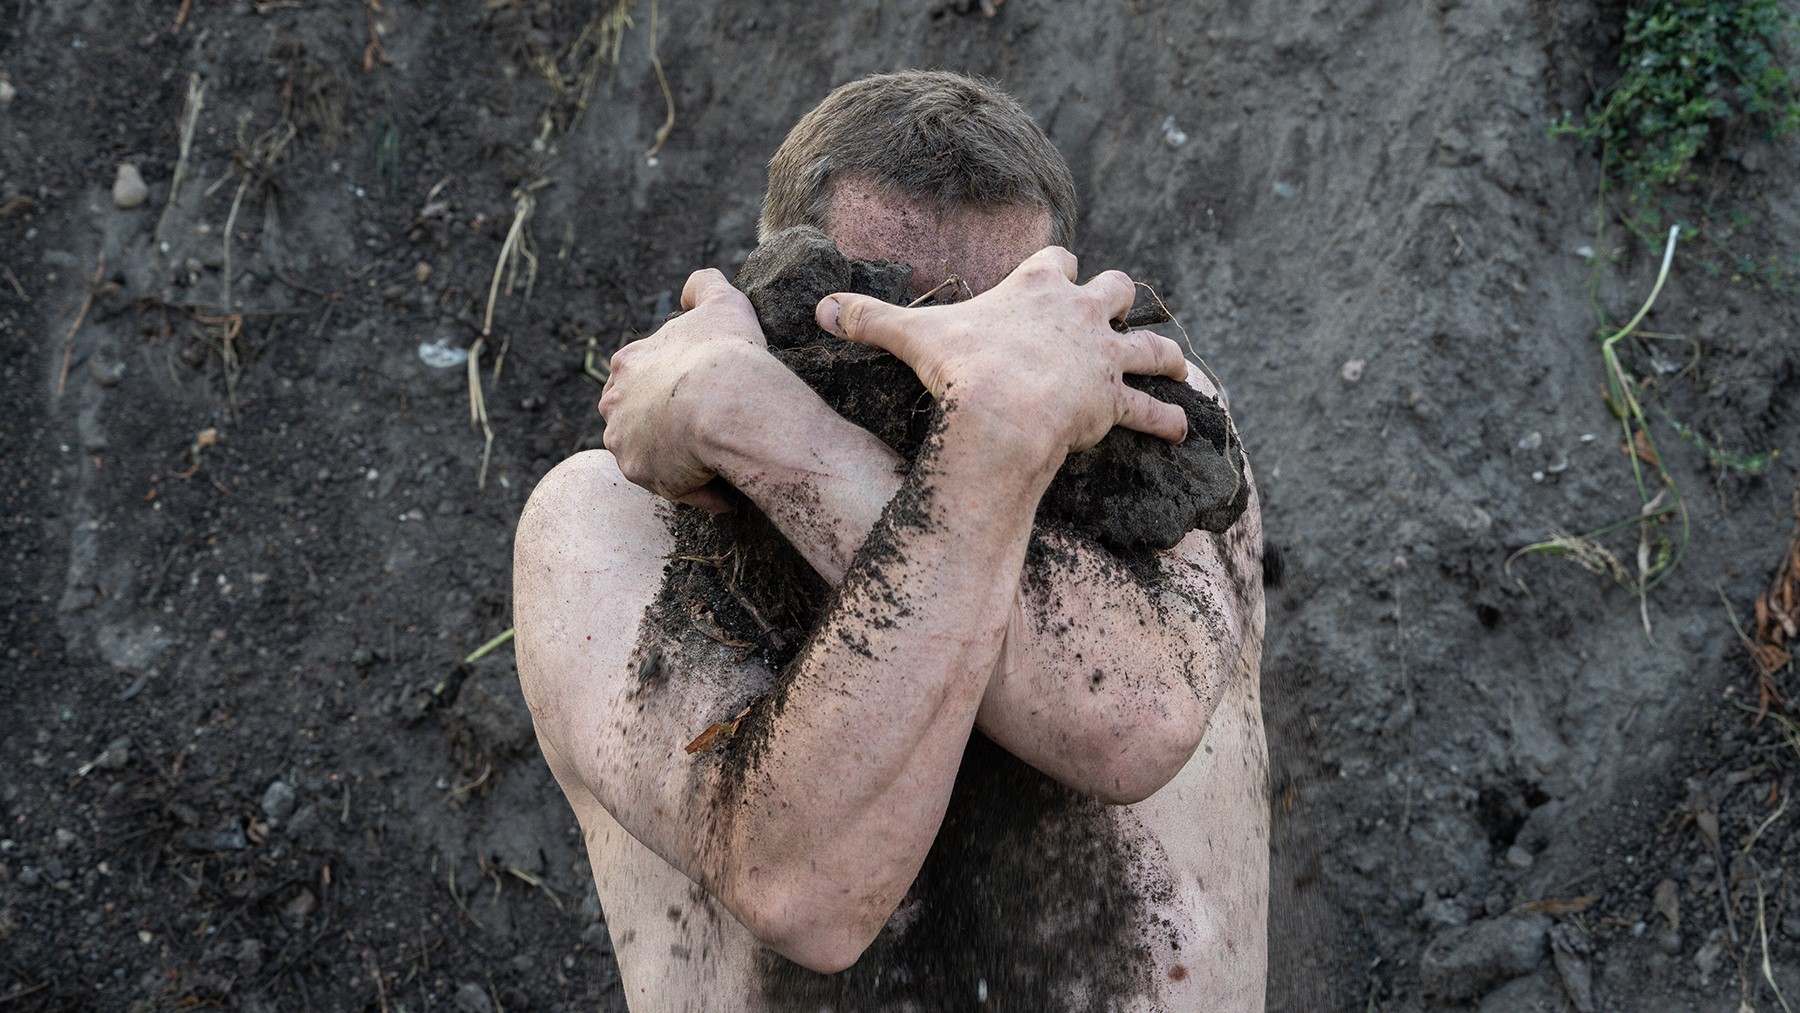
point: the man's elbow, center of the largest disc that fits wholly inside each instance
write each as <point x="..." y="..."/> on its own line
<point x="1148" y="759"/>
<point x="818" y="935"/>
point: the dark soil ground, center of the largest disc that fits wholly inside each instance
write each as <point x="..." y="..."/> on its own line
<point x="250" y="534"/>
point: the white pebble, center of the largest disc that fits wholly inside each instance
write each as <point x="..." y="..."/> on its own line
<point x="7" y="91"/>
<point x="1352" y="370"/>
<point x="128" y="190"/>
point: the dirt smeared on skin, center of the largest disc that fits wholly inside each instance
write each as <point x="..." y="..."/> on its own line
<point x="1028" y="900"/>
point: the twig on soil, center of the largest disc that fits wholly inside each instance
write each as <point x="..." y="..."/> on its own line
<point x="515" y="247"/>
<point x="13" y="280"/>
<point x="527" y="877"/>
<point x="1767" y="692"/>
<point x="374" y="968"/>
<point x="1764" y="825"/>
<point x="373" y="50"/>
<point x="461" y="790"/>
<point x="23" y="992"/>
<point x="457" y="897"/>
<point x="1762" y="931"/>
<point x="662" y="134"/>
<point x="87" y="302"/>
<point x="190" y="117"/>
<point x="490" y="647"/>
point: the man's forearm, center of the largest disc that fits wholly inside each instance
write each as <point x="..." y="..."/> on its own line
<point x="1098" y="688"/>
<point x="890" y="682"/>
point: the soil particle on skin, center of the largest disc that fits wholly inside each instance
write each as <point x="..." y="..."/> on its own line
<point x="1135" y="494"/>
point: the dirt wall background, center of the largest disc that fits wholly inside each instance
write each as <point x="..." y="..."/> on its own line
<point x="242" y="764"/>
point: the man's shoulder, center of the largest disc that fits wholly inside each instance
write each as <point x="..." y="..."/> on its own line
<point x="587" y="535"/>
<point x="587" y="499"/>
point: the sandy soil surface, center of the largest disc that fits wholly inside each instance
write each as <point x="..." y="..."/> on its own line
<point x="248" y="543"/>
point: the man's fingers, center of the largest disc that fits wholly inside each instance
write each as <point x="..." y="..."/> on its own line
<point x="1149" y="354"/>
<point x="710" y="497"/>
<point x="1115" y="291"/>
<point x="703" y="285"/>
<point x="1056" y="258"/>
<point x="1146" y="414"/>
<point x="865" y="320"/>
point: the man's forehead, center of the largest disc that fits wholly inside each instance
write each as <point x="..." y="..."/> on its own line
<point x="980" y="244"/>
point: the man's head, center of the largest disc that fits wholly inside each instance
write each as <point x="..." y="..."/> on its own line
<point x="931" y="168"/>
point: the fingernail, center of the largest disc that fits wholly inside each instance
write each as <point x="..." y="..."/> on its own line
<point x="828" y="314"/>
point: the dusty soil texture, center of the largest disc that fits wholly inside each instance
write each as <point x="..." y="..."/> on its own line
<point x="246" y="550"/>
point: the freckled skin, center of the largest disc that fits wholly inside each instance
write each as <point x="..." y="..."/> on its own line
<point x="947" y="629"/>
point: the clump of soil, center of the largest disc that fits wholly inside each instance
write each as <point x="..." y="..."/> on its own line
<point x="1133" y="493"/>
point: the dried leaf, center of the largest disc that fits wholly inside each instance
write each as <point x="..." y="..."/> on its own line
<point x="716" y="733"/>
<point x="1667" y="899"/>
<point x="1708" y="822"/>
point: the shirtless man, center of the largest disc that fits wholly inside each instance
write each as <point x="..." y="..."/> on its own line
<point x="1007" y="771"/>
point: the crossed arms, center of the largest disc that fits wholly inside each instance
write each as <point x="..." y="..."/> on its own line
<point x="1095" y="678"/>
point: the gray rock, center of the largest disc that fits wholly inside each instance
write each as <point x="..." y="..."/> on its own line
<point x="278" y="801"/>
<point x="1463" y="963"/>
<point x="1570" y="949"/>
<point x="228" y="837"/>
<point x="305" y="821"/>
<point x="472" y="998"/>
<point x="116" y="755"/>
<point x="303" y="904"/>
<point x="129" y="190"/>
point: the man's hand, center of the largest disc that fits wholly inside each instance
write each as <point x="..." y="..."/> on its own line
<point x="1036" y="351"/>
<point x="656" y="401"/>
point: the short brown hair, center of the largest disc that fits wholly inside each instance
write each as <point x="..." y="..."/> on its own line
<point x="927" y="135"/>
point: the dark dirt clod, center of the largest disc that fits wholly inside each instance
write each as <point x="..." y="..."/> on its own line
<point x="1133" y="493"/>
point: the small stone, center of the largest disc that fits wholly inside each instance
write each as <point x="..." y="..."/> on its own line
<point x="129" y="190"/>
<point x="1518" y="858"/>
<point x="1463" y="963"/>
<point x="278" y="801"/>
<point x="422" y="272"/>
<point x="116" y="755"/>
<point x="472" y="998"/>
<point x="1707" y="958"/>
<point x="305" y="821"/>
<point x="1352" y="370"/>
<point x="302" y="905"/>
<point x="29" y="876"/>
<point x="7" y="92"/>
<point x="107" y="372"/>
<point x="64" y="838"/>
<point x="249" y="957"/>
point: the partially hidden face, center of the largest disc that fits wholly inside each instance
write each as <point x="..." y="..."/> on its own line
<point x="979" y="245"/>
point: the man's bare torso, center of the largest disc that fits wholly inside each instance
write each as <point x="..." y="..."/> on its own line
<point x="1033" y="897"/>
